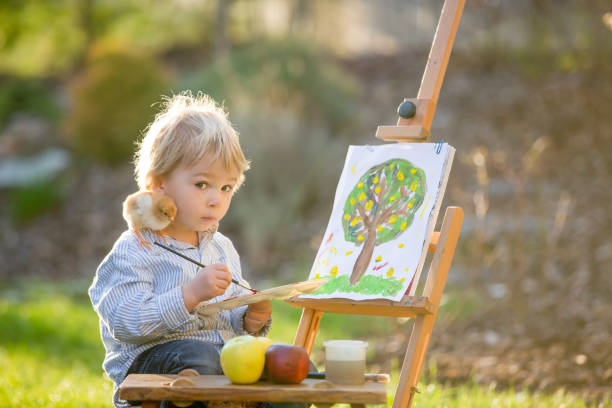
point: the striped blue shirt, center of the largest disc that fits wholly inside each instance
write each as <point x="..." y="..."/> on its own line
<point x="137" y="295"/>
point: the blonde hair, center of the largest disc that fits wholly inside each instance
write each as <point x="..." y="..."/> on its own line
<point x="187" y="129"/>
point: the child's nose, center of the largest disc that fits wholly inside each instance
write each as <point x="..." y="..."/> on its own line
<point x="212" y="199"/>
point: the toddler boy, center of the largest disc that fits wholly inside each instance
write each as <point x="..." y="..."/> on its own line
<point x="145" y="299"/>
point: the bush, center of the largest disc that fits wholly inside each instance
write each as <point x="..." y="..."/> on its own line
<point x="112" y="103"/>
<point x="28" y="202"/>
<point x="26" y="95"/>
<point x="281" y="74"/>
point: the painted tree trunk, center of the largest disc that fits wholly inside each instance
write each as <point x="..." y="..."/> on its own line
<point x="363" y="260"/>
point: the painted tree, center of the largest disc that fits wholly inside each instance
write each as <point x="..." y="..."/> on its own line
<point x="380" y="207"/>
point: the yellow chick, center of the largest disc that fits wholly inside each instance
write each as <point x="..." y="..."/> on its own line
<point x="146" y="209"/>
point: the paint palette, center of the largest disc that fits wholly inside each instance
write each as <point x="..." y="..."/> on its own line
<point x="279" y="292"/>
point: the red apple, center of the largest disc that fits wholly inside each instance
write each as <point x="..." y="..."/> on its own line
<point x="286" y="364"/>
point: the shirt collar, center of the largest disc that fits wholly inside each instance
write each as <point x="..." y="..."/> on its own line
<point x="204" y="237"/>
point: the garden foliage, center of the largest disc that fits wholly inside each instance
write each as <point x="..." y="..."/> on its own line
<point x="112" y="104"/>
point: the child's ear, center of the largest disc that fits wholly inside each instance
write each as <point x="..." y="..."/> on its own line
<point x="155" y="184"/>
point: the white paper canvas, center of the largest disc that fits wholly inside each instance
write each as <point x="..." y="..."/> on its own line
<point x="385" y="207"/>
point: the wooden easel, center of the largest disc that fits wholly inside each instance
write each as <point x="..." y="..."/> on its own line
<point x="413" y="125"/>
<point x="416" y="116"/>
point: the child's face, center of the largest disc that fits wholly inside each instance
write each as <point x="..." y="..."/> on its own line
<point x="202" y="194"/>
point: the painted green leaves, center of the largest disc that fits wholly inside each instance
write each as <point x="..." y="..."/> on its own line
<point x="381" y="206"/>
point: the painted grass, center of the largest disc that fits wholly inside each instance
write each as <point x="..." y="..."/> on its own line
<point x="367" y="285"/>
<point x="51" y="354"/>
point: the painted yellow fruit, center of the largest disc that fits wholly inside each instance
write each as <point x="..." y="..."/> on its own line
<point x="243" y="359"/>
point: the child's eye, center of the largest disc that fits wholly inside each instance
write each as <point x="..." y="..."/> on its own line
<point x="202" y="185"/>
<point x="227" y="188"/>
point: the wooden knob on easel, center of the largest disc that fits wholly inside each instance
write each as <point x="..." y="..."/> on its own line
<point x="406" y="110"/>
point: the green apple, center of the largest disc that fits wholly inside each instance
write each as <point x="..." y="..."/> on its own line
<point x="243" y="359"/>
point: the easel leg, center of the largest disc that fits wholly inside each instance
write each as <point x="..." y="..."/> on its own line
<point x="413" y="361"/>
<point x="307" y="329"/>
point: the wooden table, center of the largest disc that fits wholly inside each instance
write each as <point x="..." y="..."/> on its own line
<point x="150" y="389"/>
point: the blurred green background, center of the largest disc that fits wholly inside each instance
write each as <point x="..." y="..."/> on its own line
<point x="527" y="314"/>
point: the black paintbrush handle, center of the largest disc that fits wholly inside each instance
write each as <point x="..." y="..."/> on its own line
<point x="368" y="377"/>
<point x="320" y="375"/>
<point x="199" y="264"/>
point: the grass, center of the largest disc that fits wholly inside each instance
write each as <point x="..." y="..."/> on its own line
<point x="50" y="350"/>
<point x="51" y="354"/>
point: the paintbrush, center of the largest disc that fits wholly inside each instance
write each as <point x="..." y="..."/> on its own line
<point x="200" y="265"/>
<point x="368" y="377"/>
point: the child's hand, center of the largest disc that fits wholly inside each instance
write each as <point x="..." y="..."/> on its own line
<point x="210" y="282"/>
<point x="257" y="315"/>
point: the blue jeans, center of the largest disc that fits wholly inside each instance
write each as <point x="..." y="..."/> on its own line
<point x="175" y="356"/>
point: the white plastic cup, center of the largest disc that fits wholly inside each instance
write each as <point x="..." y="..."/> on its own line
<point x="345" y="361"/>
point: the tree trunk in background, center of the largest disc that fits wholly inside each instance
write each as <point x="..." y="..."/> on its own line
<point x="221" y="41"/>
<point x="299" y="16"/>
<point x="85" y="20"/>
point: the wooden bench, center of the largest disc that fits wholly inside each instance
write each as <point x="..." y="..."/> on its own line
<point x="151" y="389"/>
